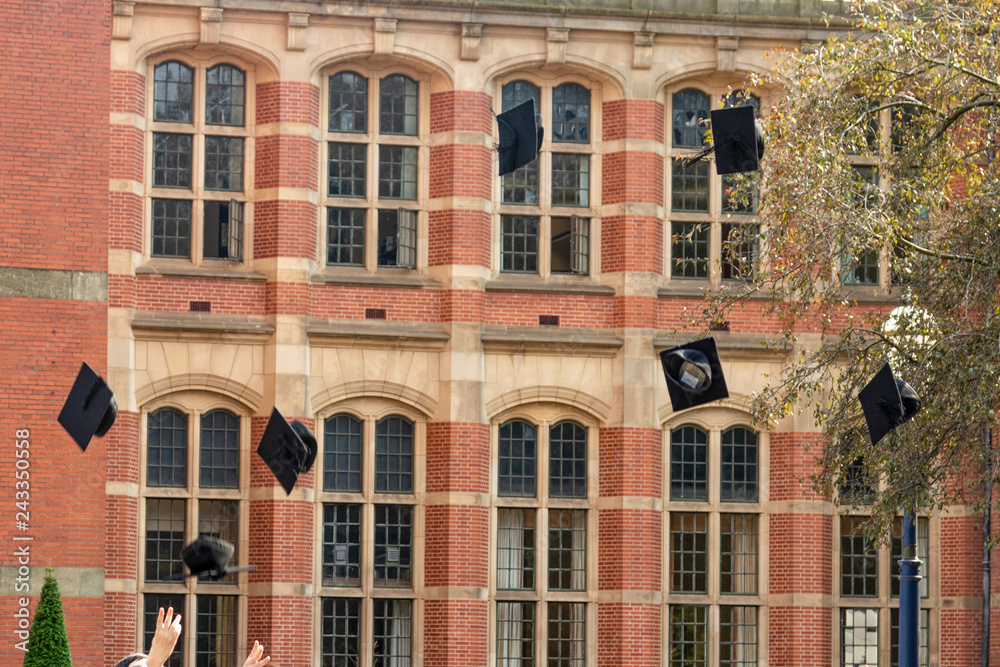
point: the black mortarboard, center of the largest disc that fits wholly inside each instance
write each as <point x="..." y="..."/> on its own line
<point x="694" y="374"/>
<point x="288" y="449"/>
<point x="210" y="555"/>
<point x="887" y="403"/>
<point x="90" y="409"/>
<point x="521" y="134"/>
<point x="738" y="140"/>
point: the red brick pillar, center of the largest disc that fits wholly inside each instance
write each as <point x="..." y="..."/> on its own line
<point x="53" y="310"/>
<point x="800" y="572"/>
<point x="630" y="546"/>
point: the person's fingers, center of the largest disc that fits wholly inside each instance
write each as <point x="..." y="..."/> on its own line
<point x="159" y="620"/>
<point x="165" y="620"/>
<point x="177" y="622"/>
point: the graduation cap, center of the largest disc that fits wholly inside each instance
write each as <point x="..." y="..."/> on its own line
<point x="90" y="409"/>
<point x="521" y="134"/>
<point x="737" y="141"/>
<point x="210" y="555"/>
<point x="694" y="374"/>
<point x="289" y="450"/>
<point x="887" y="403"/>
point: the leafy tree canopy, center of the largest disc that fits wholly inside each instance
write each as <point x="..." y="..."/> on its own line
<point x="883" y="152"/>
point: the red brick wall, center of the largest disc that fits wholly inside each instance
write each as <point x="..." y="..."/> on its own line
<point x="53" y="215"/>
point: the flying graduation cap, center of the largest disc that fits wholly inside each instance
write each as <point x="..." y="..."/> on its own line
<point x="737" y="141"/>
<point x="210" y="555"/>
<point x="289" y="450"/>
<point x="887" y="403"/>
<point x="521" y="134"/>
<point x="694" y="374"/>
<point x="90" y="409"/>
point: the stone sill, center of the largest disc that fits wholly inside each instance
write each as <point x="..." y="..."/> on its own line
<point x="768" y="344"/>
<point x="147" y="325"/>
<point x="369" y="280"/>
<point x="199" y="272"/>
<point x="536" y="286"/>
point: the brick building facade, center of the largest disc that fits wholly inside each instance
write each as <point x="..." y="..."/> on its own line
<point x="302" y="212"/>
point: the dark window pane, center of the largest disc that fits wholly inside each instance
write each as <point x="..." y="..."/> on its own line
<point x="739" y="194"/>
<point x="215" y="628"/>
<point x="517" y="459"/>
<point x="393" y="546"/>
<point x="341" y="544"/>
<point x="568" y="460"/>
<point x="858" y="559"/>
<point x="398" y="105"/>
<point x="515" y="634"/>
<point x="896" y="554"/>
<point x="220" y="241"/>
<point x="224" y="96"/>
<point x="221" y="519"/>
<point x="515" y="549"/>
<point x="393" y="455"/>
<point x="689" y="250"/>
<point x="224" y="163"/>
<point x="859" y="636"/>
<point x="151" y="605"/>
<point x="738" y="541"/>
<point x="521" y="185"/>
<point x="688" y="552"/>
<point x="740" y="251"/>
<point x="172" y="160"/>
<point x="165" y="528"/>
<point x="392" y="631"/>
<point x="571" y="113"/>
<point x="173" y="92"/>
<point x="171" y="228"/>
<point x="519" y="243"/>
<point x="690" y="118"/>
<point x="688" y="636"/>
<point x="570" y="179"/>
<point x="166" y="448"/>
<point x="567" y="550"/>
<point x="342" y="454"/>
<point x="737" y="636"/>
<point x="348" y="102"/>
<point x="340" y="632"/>
<point x="688" y="463"/>
<point x="345" y="236"/>
<point x="348" y="166"/>
<point x="220" y="450"/>
<point x="570" y="245"/>
<point x="925" y="653"/>
<point x="689" y="187"/>
<point x="397" y="172"/>
<point x="739" y="465"/>
<point x="567" y="641"/>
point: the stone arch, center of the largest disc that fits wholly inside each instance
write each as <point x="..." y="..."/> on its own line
<point x="208" y="382"/>
<point x="409" y="396"/>
<point x="581" y="400"/>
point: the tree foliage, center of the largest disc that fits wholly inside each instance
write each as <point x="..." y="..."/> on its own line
<point x="883" y="147"/>
<point x="48" y="644"/>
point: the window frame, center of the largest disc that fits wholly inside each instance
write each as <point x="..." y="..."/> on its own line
<point x="708" y="269"/>
<point x="411" y="242"/>
<point x="194" y="405"/>
<point x="544" y="417"/>
<point x="714" y="421"/>
<point x="543" y="210"/>
<point x="198" y="194"/>
<point x="884" y="602"/>
<point x="369" y="411"/>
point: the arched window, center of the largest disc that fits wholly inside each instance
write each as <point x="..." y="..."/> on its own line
<point x="176" y="508"/>
<point x="197" y="188"/>
<point x="546" y="206"/>
<point x="714" y="500"/>
<point x="369" y="512"/>
<point x="372" y="170"/>
<point x="714" y="235"/>
<point x="541" y="542"/>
